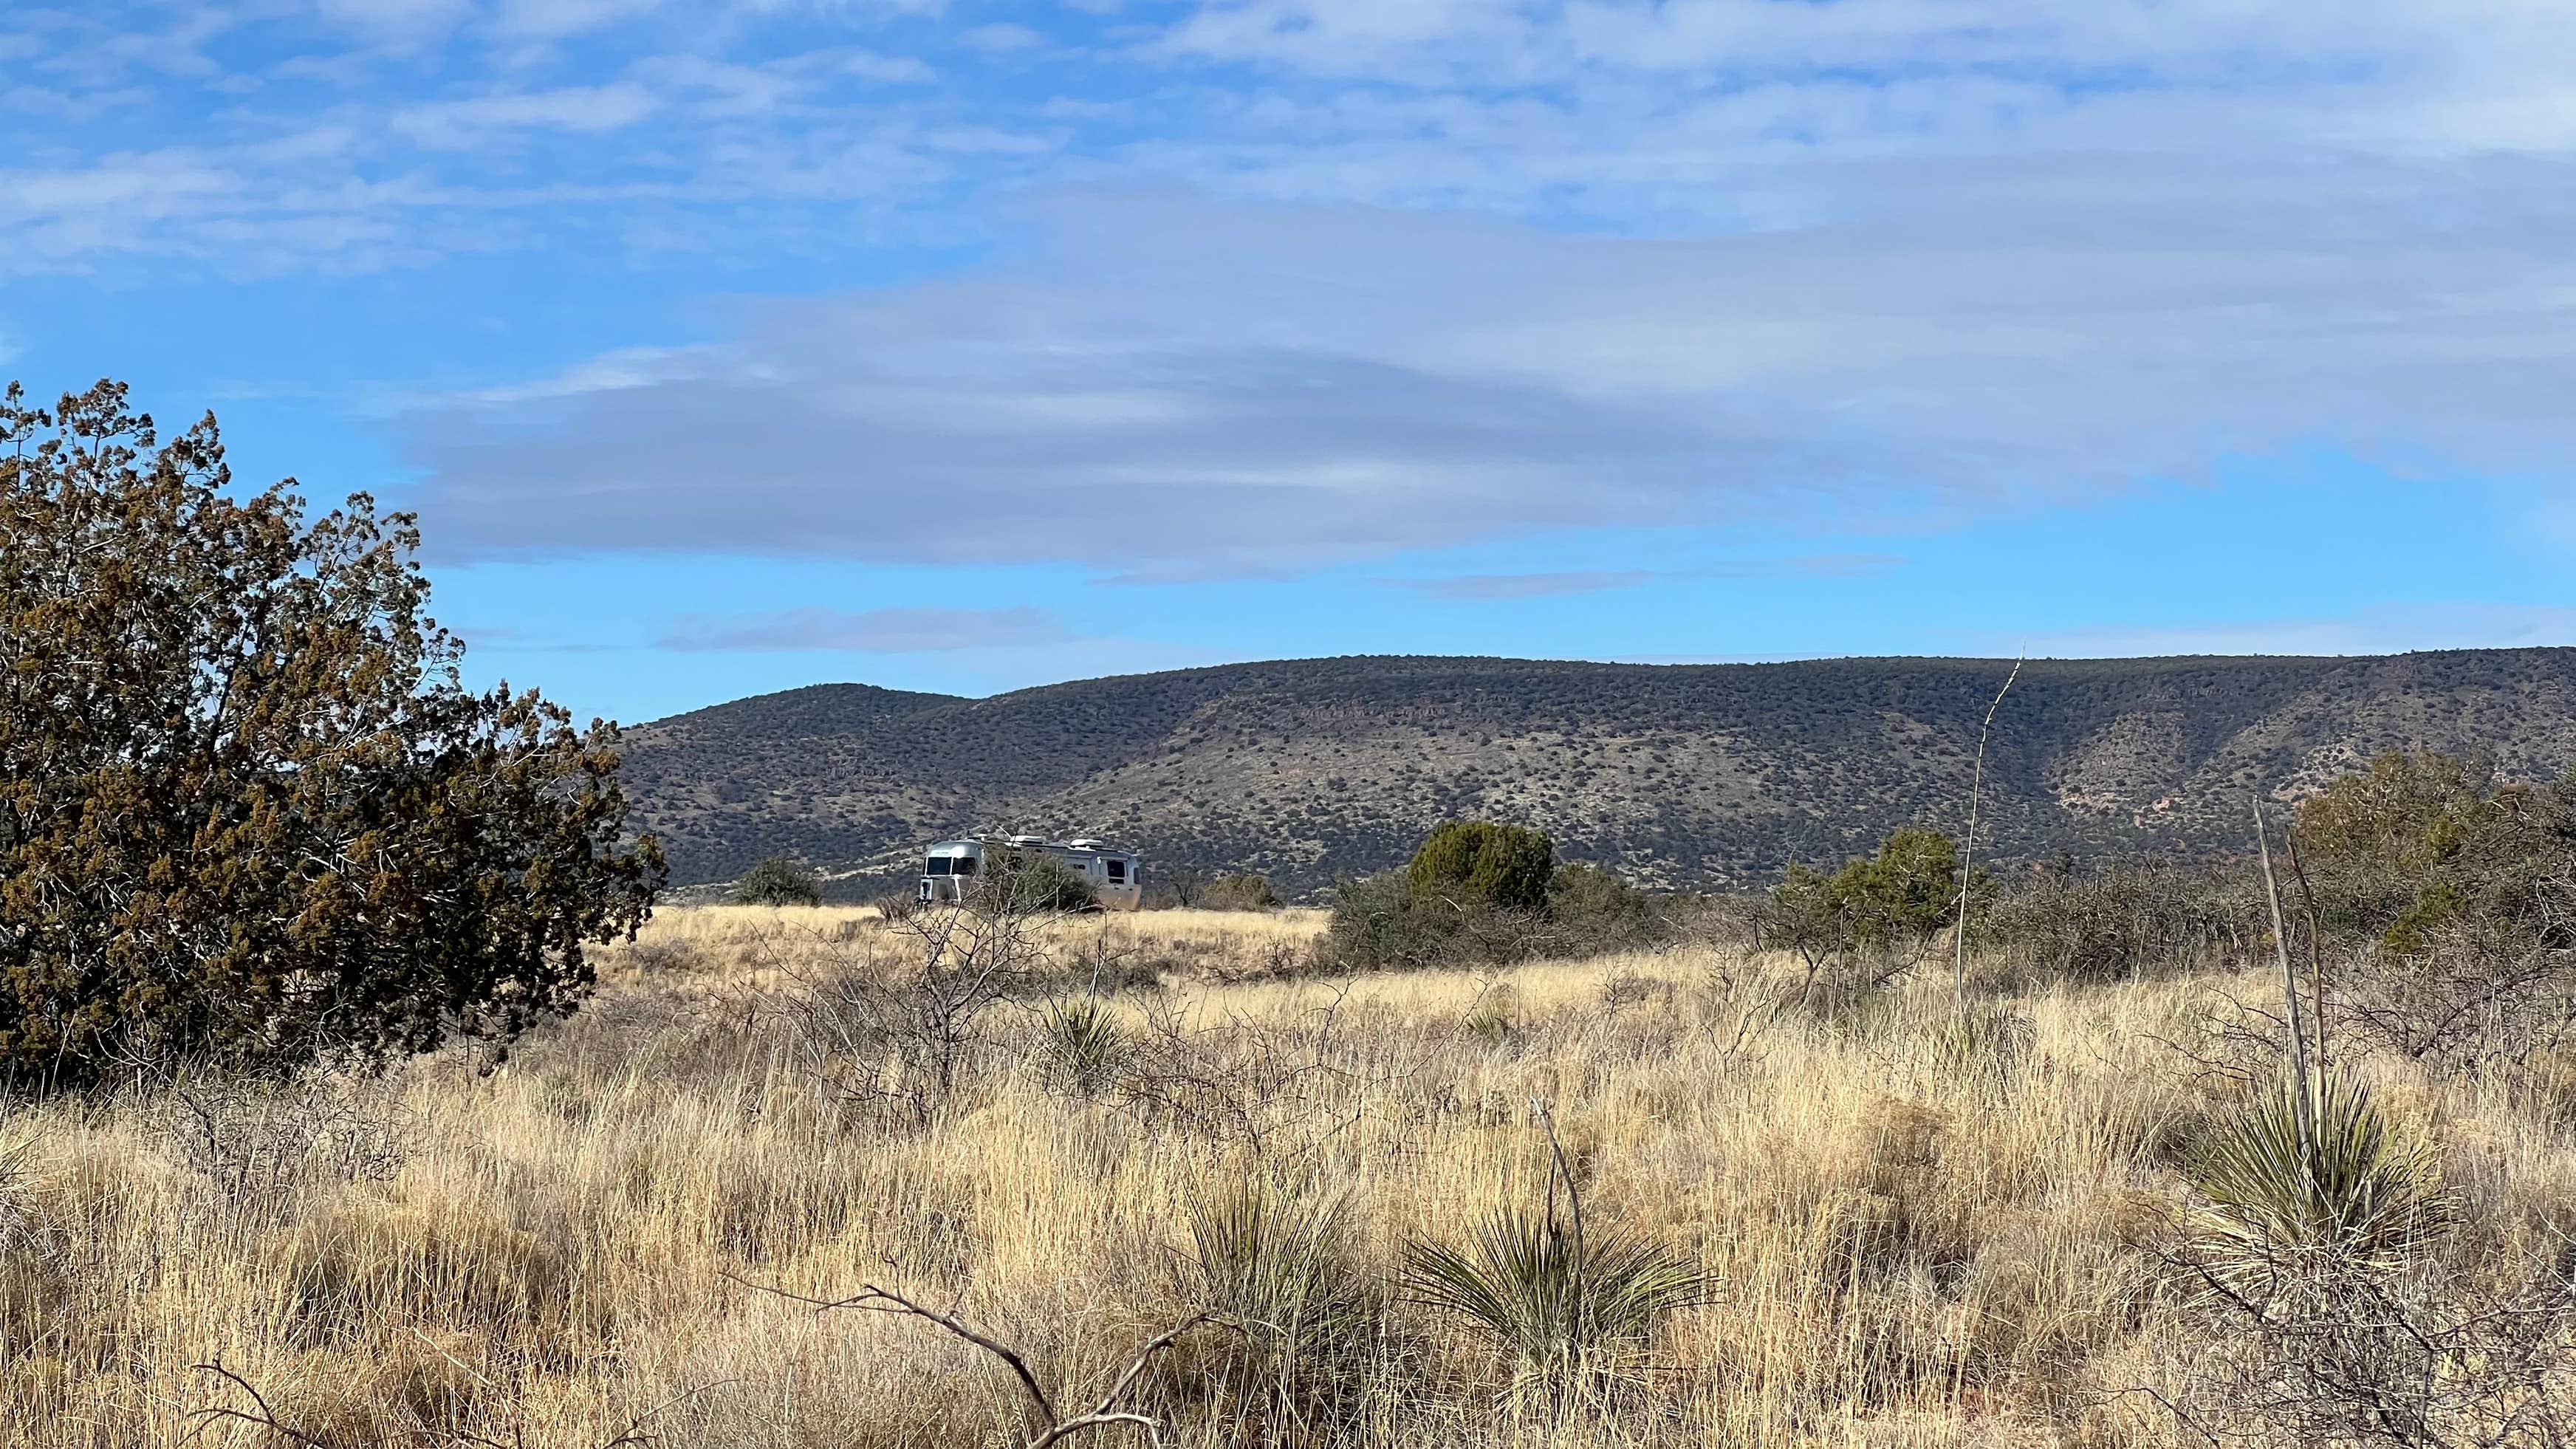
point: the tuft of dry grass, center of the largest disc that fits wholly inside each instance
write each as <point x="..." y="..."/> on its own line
<point x="1917" y="1230"/>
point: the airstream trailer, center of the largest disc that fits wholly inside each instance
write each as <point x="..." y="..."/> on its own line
<point x="951" y="869"/>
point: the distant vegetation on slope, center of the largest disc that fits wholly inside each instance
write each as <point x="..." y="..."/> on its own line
<point x="1681" y="776"/>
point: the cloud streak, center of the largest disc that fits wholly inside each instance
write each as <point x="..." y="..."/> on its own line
<point x="1477" y="588"/>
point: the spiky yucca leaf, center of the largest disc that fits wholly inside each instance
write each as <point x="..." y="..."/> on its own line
<point x="1280" y="1265"/>
<point x="2366" y="1200"/>
<point x="1523" y="1278"/>
<point x="1281" y="1268"/>
<point x="1085" y="1042"/>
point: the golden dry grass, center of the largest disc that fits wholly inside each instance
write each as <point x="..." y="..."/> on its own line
<point x="1912" y="1245"/>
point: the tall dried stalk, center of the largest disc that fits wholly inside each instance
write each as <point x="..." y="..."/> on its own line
<point x="2294" y="1046"/>
<point x="1968" y="847"/>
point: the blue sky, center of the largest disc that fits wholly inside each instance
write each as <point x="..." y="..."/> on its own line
<point x="725" y="348"/>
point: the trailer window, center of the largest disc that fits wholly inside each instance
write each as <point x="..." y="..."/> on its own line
<point x="1118" y="870"/>
<point x="964" y="865"/>
<point x="936" y="865"/>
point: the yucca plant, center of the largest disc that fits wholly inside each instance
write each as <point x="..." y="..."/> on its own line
<point x="1084" y="1041"/>
<point x="2361" y="1198"/>
<point x="1280" y="1268"/>
<point x="1560" y="1294"/>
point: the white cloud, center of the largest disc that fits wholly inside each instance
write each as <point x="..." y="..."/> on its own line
<point x="1003" y="36"/>
<point x="1444" y="269"/>
<point x="558" y="19"/>
<point x="398" y="20"/>
<point x="466" y="123"/>
<point x="870" y="631"/>
<point x="887" y="69"/>
<point x="1484" y="588"/>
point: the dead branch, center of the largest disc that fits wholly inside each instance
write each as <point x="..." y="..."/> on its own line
<point x="873" y="1299"/>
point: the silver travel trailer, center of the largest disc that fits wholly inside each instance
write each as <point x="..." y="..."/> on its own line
<point x="950" y="869"/>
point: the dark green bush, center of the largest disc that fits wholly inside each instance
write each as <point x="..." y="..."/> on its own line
<point x="1469" y="863"/>
<point x="1035" y="882"/>
<point x="1879" y="914"/>
<point x="253" y="814"/>
<point x="1900" y="898"/>
<point x="778" y="881"/>
<point x="1378" y="921"/>
<point x="2424" y="850"/>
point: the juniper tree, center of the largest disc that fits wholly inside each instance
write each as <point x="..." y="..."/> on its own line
<point x="248" y="809"/>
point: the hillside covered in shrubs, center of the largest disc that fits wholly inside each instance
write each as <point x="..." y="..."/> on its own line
<point x="1697" y="776"/>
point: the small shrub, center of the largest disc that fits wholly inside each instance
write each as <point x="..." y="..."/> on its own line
<point x="2431" y="1358"/>
<point x="1564" y="1296"/>
<point x="2125" y="922"/>
<point x="1586" y="897"/>
<point x="258" y="1141"/>
<point x="778" y="881"/>
<point x="1374" y="925"/>
<point x="2419" y="848"/>
<point x="1035" y="883"/>
<point x="1875" y="918"/>
<point x="1494" y="1016"/>
<point x="1242" y="891"/>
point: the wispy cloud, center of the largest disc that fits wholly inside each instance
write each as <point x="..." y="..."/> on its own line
<point x="1312" y="280"/>
<point x="1277" y="387"/>
<point x="869" y="631"/>
<point x="465" y="123"/>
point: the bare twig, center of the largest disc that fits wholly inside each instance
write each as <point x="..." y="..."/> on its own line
<point x="2316" y="939"/>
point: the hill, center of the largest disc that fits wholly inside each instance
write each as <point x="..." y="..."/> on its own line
<point x="1676" y="775"/>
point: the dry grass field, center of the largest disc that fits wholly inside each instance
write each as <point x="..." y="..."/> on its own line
<point x="1913" y="1233"/>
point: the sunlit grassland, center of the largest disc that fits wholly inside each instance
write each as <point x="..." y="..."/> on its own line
<point x="1910" y="1240"/>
